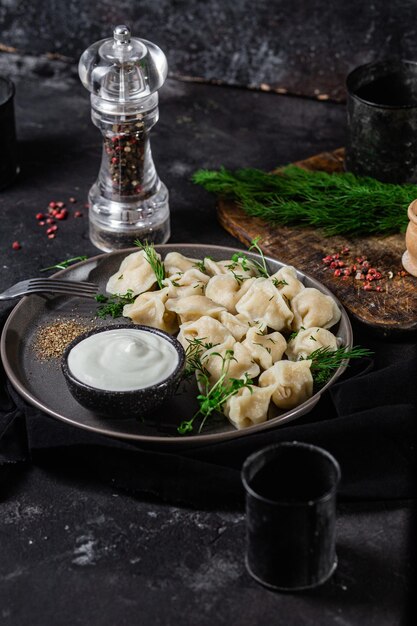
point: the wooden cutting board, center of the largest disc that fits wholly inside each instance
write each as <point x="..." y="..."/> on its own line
<point x="391" y="310"/>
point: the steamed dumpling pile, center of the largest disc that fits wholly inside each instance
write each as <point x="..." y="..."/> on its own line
<point x="270" y="325"/>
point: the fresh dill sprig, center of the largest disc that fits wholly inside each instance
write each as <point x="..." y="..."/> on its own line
<point x="214" y="398"/>
<point x="113" y="305"/>
<point x="153" y="260"/>
<point x="339" y="203"/>
<point x="325" y="361"/>
<point x="62" y="265"/>
<point x="193" y="354"/>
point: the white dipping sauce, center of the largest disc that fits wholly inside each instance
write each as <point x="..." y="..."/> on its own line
<point x="123" y="359"/>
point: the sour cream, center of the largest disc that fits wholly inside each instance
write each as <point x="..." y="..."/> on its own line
<point x="123" y="359"/>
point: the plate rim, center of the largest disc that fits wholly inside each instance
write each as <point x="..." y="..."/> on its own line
<point x="175" y="440"/>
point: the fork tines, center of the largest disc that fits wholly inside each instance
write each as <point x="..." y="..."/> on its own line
<point x="47" y="283"/>
<point x="62" y="286"/>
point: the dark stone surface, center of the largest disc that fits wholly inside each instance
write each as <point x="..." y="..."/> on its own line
<point x="302" y="47"/>
<point x="75" y="552"/>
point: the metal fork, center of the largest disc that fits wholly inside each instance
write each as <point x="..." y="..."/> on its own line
<point x="50" y="285"/>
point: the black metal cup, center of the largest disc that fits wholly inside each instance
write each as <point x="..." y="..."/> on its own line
<point x="8" y="146"/>
<point x="382" y="121"/>
<point x="291" y="515"/>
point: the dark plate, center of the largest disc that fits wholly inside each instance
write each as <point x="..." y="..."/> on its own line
<point x="42" y="383"/>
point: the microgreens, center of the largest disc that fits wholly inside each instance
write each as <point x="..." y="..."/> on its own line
<point x="260" y="266"/>
<point x="214" y="398"/>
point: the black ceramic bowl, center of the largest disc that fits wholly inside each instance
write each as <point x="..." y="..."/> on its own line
<point x="131" y="403"/>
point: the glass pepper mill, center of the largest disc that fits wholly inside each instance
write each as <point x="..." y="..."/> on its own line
<point x="128" y="201"/>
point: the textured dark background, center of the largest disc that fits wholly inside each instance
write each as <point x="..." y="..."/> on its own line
<point x="76" y="549"/>
<point x="298" y="46"/>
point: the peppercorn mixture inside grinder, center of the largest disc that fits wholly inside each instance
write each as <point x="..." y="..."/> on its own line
<point x="128" y="201"/>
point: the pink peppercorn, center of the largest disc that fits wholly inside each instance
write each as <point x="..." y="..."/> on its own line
<point x="16" y="245"/>
<point x="39" y="216"/>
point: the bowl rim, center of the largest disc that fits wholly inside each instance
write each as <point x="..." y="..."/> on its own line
<point x="115" y="393"/>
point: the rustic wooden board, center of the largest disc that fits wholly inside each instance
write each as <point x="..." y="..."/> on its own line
<point x="393" y="309"/>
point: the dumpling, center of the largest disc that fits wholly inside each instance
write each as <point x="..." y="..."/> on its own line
<point x="242" y="267"/>
<point x="308" y="340"/>
<point x="192" y="308"/>
<point x="265" y="349"/>
<point x="206" y="328"/>
<point x="134" y="273"/>
<point x="311" y="307"/>
<point x="149" y="309"/>
<point x="212" y="267"/>
<point x="190" y="283"/>
<point x="263" y="302"/>
<point x="293" y="383"/>
<point x="286" y="281"/>
<point x="237" y="366"/>
<point x="237" y="325"/>
<point x="223" y="289"/>
<point x="249" y="406"/>
<point x="178" y="263"/>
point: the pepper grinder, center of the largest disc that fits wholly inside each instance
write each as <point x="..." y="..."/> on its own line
<point x="128" y="201"/>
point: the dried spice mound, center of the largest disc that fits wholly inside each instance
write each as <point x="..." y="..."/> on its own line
<point x="52" y="339"/>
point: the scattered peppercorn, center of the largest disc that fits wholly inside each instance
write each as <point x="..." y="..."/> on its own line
<point x="360" y="269"/>
<point x="16" y="245"/>
<point x="56" y="210"/>
<point x="51" y="340"/>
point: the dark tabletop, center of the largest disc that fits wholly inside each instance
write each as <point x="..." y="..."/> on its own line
<point x="76" y="551"/>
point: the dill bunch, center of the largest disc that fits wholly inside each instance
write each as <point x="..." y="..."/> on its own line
<point x="339" y="203"/>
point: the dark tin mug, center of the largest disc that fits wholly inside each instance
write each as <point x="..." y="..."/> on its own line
<point x="8" y="146"/>
<point x="382" y="121"/>
<point x="291" y="515"/>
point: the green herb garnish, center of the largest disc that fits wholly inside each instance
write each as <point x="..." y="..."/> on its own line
<point x="279" y="283"/>
<point x="214" y="398"/>
<point x="153" y="260"/>
<point x="325" y="361"/>
<point x="340" y="203"/>
<point x="113" y="305"/>
<point x="260" y="266"/>
<point x="193" y="354"/>
<point x="64" y="264"/>
<point x="201" y="264"/>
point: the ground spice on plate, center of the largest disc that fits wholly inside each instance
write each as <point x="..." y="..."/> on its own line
<point x="52" y="339"/>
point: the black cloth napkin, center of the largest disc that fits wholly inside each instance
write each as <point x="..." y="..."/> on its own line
<point x="367" y="421"/>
